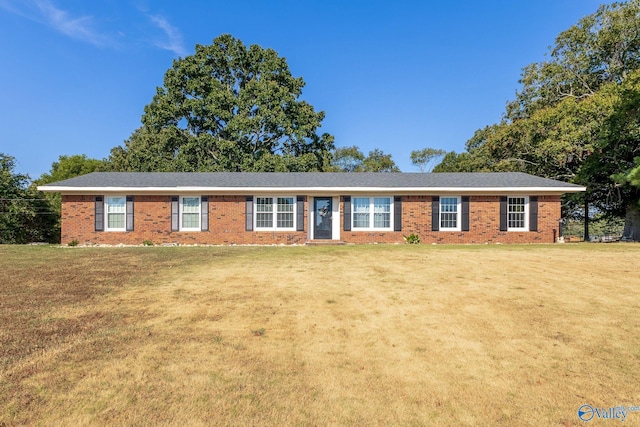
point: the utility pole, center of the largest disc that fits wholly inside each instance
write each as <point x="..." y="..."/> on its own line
<point x="586" y="217"/>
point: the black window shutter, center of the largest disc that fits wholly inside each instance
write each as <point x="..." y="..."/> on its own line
<point x="248" y="213"/>
<point x="347" y="213"/>
<point x="175" y="213"/>
<point x="397" y="213"/>
<point x="503" y="213"/>
<point x="465" y="213"/>
<point x="204" y="213"/>
<point x="533" y="213"/>
<point x="129" y="213"/>
<point x="99" y="208"/>
<point x="435" y="213"/>
<point x="300" y="213"/>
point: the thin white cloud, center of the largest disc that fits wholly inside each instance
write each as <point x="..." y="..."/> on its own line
<point x="174" y="41"/>
<point x="9" y="7"/>
<point x="82" y="28"/>
<point x="85" y="28"/>
<point x="45" y="12"/>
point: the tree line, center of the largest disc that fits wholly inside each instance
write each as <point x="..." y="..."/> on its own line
<point x="576" y="118"/>
<point x="228" y="107"/>
<point x="28" y="215"/>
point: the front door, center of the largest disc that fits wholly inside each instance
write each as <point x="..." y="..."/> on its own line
<point x="322" y="215"/>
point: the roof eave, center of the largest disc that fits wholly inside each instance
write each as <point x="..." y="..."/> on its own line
<point x="336" y="190"/>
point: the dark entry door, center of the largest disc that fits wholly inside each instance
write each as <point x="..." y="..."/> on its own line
<point x="322" y="214"/>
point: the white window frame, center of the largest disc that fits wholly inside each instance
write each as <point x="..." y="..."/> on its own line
<point x="181" y="213"/>
<point x="458" y="213"/>
<point x="275" y="212"/>
<point x="106" y="213"/>
<point x="371" y="213"/>
<point x="525" y="213"/>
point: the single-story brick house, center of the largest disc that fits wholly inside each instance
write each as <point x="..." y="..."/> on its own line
<point x="297" y="208"/>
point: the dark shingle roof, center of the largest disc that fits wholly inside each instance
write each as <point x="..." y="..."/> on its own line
<point x="310" y="180"/>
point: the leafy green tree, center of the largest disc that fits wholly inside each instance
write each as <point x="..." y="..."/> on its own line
<point x="633" y="177"/>
<point x="227" y="108"/>
<point x="576" y="116"/>
<point x="25" y="216"/>
<point x="475" y="159"/>
<point x="612" y="167"/>
<point x="632" y="217"/>
<point x="70" y="166"/>
<point x="66" y="167"/>
<point x="351" y="159"/>
<point x="347" y="159"/>
<point x="378" y="161"/>
<point x="601" y="48"/>
<point x="460" y="162"/>
<point x="425" y="158"/>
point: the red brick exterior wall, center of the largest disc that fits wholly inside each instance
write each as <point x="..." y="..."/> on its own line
<point x="152" y="222"/>
<point x="484" y="223"/>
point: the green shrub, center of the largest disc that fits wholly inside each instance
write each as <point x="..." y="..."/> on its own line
<point x="73" y="243"/>
<point x="147" y="243"/>
<point x="412" y="239"/>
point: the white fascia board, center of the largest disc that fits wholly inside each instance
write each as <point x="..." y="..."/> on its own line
<point x="311" y="190"/>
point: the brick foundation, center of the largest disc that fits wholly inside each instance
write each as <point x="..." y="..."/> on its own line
<point x="152" y="221"/>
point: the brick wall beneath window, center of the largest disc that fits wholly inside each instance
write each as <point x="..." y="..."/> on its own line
<point x="152" y="221"/>
<point x="484" y="223"/>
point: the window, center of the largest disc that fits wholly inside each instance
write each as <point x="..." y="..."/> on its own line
<point x="264" y="212"/>
<point x="275" y="213"/>
<point x="381" y="212"/>
<point x="371" y="213"/>
<point x="517" y="213"/>
<point x="449" y="213"/>
<point x="116" y="213"/>
<point x="285" y="212"/>
<point x="361" y="212"/>
<point x="190" y="213"/>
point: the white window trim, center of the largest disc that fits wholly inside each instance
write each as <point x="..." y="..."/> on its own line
<point x="181" y="212"/>
<point x="371" y="213"/>
<point x="458" y="226"/>
<point x="106" y="213"/>
<point x="274" y="226"/>
<point x="526" y="214"/>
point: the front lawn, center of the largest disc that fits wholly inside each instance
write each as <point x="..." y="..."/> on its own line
<point x="353" y="335"/>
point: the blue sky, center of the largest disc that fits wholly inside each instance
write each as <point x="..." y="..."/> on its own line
<point x="394" y="75"/>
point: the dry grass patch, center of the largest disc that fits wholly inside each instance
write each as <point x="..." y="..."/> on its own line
<point x="366" y="335"/>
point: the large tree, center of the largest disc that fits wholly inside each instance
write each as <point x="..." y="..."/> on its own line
<point x="347" y="159"/>
<point x="601" y="48"/>
<point x="227" y="108"/>
<point x="426" y="158"/>
<point x="576" y="115"/>
<point x="25" y="215"/>
<point x="351" y="159"/>
<point x="66" y="167"/>
<point x="70" y="166"/>
<point x="378" y="161"/>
